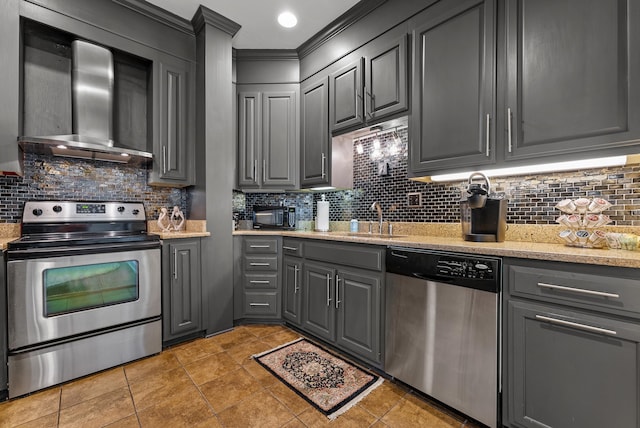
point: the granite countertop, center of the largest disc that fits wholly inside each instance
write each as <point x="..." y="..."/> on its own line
<point x="519" y="249"/>
<point x="193" y="229"/>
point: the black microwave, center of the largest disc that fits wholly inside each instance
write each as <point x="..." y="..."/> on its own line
<point x="269" y="217"/>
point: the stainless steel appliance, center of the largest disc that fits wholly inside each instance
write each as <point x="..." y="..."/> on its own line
<point x="274" y="217"/>
<point x="83" y="292"/>
<point x="483" y="215"/>
<point x="443" y="329"/>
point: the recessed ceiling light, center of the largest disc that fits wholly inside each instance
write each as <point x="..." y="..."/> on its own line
<point x="287" y="19"/>
<point x="61" y="146"/>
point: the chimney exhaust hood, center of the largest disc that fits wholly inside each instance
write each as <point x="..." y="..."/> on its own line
<point x="92" y="109"/>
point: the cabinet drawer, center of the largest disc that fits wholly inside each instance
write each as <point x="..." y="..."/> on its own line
<point x="349" y="255"/>
<point x="292" y="247"/>
<point x="613" y="290"/>
<point x="262" y="280"/>
<point x="261" y="263"/>
<point x="260" y="303"/>
<point x="261" y="246"/>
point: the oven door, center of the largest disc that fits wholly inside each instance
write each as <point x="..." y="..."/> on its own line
<point x="57" y="294"/>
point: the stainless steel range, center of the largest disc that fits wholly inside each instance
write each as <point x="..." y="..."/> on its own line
<point x="83" y="292"/>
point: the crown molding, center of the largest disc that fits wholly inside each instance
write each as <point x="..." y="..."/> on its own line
<point x="344" y="21"/>
<point x="265" y="54"/>
<point x="158" y="14"/>
<point x="205" y="16"/>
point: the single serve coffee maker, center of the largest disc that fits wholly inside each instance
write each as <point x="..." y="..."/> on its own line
<point x="483" y="215"/>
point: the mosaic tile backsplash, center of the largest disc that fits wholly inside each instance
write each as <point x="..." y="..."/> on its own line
<point x="52" y="177"/>
<point x="532" y="199"/>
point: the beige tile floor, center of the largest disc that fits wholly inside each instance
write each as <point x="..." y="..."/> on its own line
<point x="210" y="382"/>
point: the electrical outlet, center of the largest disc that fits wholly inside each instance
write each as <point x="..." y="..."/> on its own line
<point x="414" y="200"/>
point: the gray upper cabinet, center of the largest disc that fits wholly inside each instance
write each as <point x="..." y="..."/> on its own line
<point x="345" y="89"/>
<point x="572" y="77"/>
<point x="372" y="87"/>
<point x="267" y="139"/>
<point x="174" y="131"/>
<point x="453" y="103"/>
<point x="315" y="143"/>
<point x="9" y="86"/>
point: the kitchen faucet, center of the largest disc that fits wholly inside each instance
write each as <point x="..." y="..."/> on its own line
<point x="376" y="206"/>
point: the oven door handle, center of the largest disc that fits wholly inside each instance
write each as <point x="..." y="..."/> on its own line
<point x="38" y="253"/>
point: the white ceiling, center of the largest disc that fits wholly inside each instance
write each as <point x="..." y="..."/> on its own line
<point x="258" y="18"/>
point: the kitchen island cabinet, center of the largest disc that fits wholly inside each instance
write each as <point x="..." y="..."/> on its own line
<point x="181" y="290"/>
<point x="572" y="345"/>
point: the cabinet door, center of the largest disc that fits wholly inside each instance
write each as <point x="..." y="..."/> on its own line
<point x="173" y="162"/>
<point x="345" y="96"/>
<point x="292" y="289"/>
<point x="249" y="138"/>
<point x="385" y="91"/>
<point x="318" y="313"/>
<point x="3" y="333"/>
<point x="572" y="73"/>
<point x="182" y="289"/>
<point x="571" y="369"/>
<point x="358" y="304"/>
<point x="9" y="87"/>
<point x="279" y="140"/>
<point x="314" y="134"/>
<point x="453" y="120"/>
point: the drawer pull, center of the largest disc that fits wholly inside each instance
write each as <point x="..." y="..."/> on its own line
<point x="259" y="281"/>
<point x="260" y="246"/>
<point x="577" y="325"/>
<point x="259" y="264"/>
<point x="259" y="304"/>
<point x="578" y="290"/>
<point x="402" y="256"/>
<point x="284" y="247"/>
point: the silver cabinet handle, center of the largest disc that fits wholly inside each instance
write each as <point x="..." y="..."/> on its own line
<point x="258" y="304"/>
<point x="576" y="325"/>
<point x="337" y="291"/>
<point x="368" y="109"/>
<point x="255" y="170"/>
<point x="509" y="142"/>
<point x="258" y="264"/>
<point x="295" y="280"/>
<point x="175" y="263"/>
<point x="259" y="246"/>
<point x="164" y="159"/>
<point x="284" y="247"/>
<point x="488" y="132"/>
<point x="324" y="159"/>
<point x="402" y="256"/>
<point x="264" y="170"/>
<point x="259" y="281"/>
<point x="579" y="290"/>
<point x="328" y="290"/>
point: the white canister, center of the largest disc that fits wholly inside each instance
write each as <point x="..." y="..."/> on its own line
<point x="322" y="219"/>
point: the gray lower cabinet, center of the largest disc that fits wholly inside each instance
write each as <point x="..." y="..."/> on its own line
<point x="342" y="289"/>
<point x="3" y="331"/>
<point x="181" y="289"/>
<point x="267" y="137"/>
<point x="174" y="130"/>
<point x="315" y="142"/>
<point x="453" y="104"/>
<point x="291" y="289"/>
<point x="572" y="341"/>
<point x="257" y="296"/>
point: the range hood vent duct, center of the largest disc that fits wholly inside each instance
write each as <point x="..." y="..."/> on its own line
<point x="92" y="109"/>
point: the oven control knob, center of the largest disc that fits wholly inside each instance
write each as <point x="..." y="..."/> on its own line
<point x="135" y="212"/>
<point x="37" y="212"/>
<point x="120" y="209"/>
<point x="57" y="208"/>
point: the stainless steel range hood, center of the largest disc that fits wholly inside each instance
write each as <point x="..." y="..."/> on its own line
<point x="92" y="109"/>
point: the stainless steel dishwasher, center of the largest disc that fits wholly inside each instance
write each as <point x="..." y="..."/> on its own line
<point x="443" y="329"/>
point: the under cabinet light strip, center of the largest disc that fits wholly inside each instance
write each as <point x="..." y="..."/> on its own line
<point x="378" y="133"/>
<point x="538" y="169"/>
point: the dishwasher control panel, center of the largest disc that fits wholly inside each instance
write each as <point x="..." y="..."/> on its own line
<point x="465" y="268"/>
